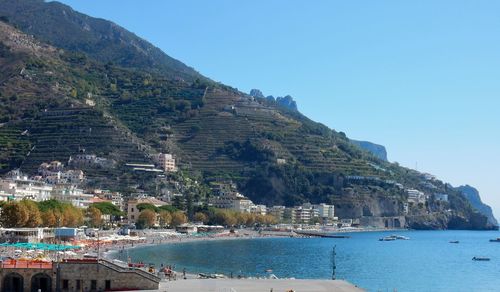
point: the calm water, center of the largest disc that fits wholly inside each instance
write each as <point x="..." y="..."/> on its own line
<point x="427" y="262"/>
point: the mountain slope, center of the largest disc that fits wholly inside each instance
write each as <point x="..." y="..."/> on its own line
<point x="98" y="38"/>
<point x="56" y="102"/>
<point x="378" y="150"/>
<point x="472" y="195"/>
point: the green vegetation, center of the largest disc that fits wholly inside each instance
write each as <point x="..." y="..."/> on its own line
<point x="108" y="208"/>
<point x="49" y="213"/>
<point x="114" y="95"/>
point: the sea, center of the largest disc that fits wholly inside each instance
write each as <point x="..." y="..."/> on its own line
<point x="426" y="262"/>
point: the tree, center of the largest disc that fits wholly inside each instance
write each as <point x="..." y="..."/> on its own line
<point x="229" y="219"/>
<point x="144" y="206"/>
<point x="147" y="218"/>
<point x="250" y="220"/>
<point x="95" y="216"/>
<point x="165" y="218"/>
<point x="178" y="218"/>
<point x="71" y="216"/>
<point x="108" y="208"/>
<point x="14" y="214"/>
<point x="34" y="216"/>
<point x="200" y="217"/>
<point x="242" y="218"/>
<point x="49" y="219"/>
<point x="225" y="217"/>
<point x="168" y="208"/>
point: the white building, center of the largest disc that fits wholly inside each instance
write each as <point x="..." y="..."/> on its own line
<point x="241" y="204"/>
<point x="258" y="209"/>
<point x="167" y="162"/>
<point x="303" y="215"/>
<point x="20" y="188"/>
<point x="325" y="211"/>
<point x="277" y="212"/>
<point x="72" y="194"/>
<point x="415" y="196"/>
<point x="54" y="173"/>
<point x="115" y="198"/>
<point x="237" y="202"/>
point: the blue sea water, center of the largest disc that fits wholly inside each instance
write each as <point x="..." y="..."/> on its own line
<point x="427" y="262"/>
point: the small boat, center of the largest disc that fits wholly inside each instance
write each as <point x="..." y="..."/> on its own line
<point x="480" y="259"/>
<point x="394" y="237"/>
<point x="401" y="237"/>
<point x="387" y="238"/>
<point x="495" y="240"/>
<point x="454" y="241"/>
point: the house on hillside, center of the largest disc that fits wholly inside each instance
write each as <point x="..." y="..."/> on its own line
<point x="133" y="212"/>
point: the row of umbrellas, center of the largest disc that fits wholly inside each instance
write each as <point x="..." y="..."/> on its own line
<point x="40" y="246"/>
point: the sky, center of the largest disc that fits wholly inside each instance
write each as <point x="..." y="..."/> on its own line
<point x="419" y="77"/>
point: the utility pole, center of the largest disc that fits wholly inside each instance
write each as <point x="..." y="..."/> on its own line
<point x="334" y="266"/>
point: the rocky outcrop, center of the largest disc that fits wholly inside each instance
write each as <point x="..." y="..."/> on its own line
<point x="378" y="151"/>
<point x="472" y="195"/>
<point x="437" y="221"/>
<point x="286" y="101"/>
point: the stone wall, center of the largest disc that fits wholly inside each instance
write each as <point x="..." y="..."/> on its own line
<point x="26" y="276"/>
<point x="77" y="276"/>
<point x="118" y="280"/>
<point x="383" y="222"/>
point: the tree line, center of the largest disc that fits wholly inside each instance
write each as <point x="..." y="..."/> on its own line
<point x="53" y="213"/>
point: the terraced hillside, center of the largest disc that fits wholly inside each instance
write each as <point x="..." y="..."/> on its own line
<point x="56" y="103"/>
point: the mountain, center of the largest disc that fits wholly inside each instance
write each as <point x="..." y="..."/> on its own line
<point x="62" y="27"/>
<point x="472" y="195"/>
<point x="284" y="101"/>
<point x="72" y="84"/>
<point x="378" y="150"/>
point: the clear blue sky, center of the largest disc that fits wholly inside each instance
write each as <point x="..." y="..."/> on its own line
<point x="420" y="77"/>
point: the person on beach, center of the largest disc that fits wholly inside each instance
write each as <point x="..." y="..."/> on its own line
<point x="184" y="273"/>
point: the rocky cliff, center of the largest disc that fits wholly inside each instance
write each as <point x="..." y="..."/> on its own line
<point x="474" y="198"/>
<point x="378" y="150"/>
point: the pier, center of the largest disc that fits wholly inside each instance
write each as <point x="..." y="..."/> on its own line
<point x="320" y="234"/>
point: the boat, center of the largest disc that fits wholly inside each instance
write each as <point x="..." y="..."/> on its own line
<point x="480" y="259"/>
<point x="454" y="241"/>
<point x="495" y="240"/>
<point x="394" y="237"/>
<point x="401" y="237"/>
<point x="387" y="238"/>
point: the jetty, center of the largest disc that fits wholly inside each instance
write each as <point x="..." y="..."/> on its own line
<point x="320" y="234"/>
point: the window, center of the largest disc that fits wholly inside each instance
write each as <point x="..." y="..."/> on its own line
<point x="93" y="285"/>
<point x="78" y="284"/>
<point x="132" y="209"/>
<point x="65" y="284"/>
<point x="132" y="217"/>
<point x="108" y="284"/>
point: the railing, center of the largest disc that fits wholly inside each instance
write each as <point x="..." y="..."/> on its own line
<point x="121" y="269"/>
<point x="14" y="264"/>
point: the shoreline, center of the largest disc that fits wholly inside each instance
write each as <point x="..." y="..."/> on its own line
<point x="153" y="239"/>
<point x="245" y="235"/>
